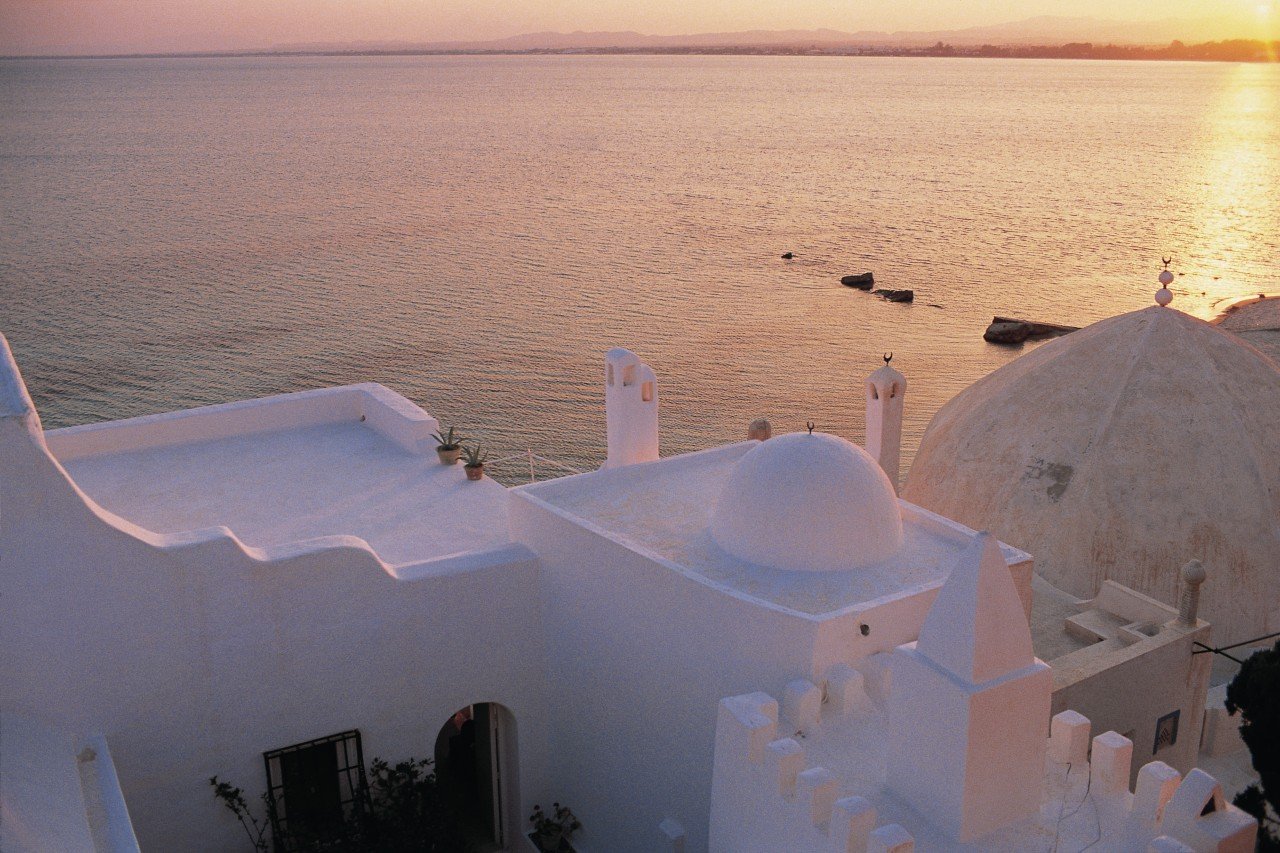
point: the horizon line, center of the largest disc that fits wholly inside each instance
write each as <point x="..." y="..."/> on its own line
<point x="782" y="49"/>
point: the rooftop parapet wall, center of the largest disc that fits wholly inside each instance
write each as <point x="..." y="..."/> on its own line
<point x="1162" y="803"/>
<point x="15" y="402"/>
<point x="765" y="794"/>
<point x="291" y="475"/>
<point x="768" y="796"/>
<point x="388" y="413"/>
<point x="36" y="478"/>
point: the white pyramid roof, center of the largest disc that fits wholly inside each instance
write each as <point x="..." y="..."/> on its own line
<point x="976" y="628"/>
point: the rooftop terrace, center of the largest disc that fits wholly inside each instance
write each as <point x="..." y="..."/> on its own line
<point x="664" y="509"/>
<point x="355" y="461"/>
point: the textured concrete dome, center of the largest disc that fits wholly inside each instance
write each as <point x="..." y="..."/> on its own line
<point x="810" y="503"/>
<point x="1121" y="452"/>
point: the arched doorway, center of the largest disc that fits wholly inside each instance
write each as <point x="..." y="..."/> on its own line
<point x="475" y="755"/>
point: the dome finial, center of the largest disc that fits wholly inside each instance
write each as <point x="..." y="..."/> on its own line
<point x="1164" y="295"/>
<point x="1193" y="574"/>
<point x="888" y="357"/>
<point x="810" y="426"/>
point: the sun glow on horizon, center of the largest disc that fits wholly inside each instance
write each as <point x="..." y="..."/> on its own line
<point x="62" y="26"/>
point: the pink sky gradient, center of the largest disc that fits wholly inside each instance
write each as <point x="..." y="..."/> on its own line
<point x="112" y="26"/>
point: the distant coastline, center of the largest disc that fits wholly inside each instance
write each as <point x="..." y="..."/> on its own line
<point x="1232" y="50"/>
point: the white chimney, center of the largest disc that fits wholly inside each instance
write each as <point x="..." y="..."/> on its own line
<point x="630" y="409"/>
<point x="886" y="389"/>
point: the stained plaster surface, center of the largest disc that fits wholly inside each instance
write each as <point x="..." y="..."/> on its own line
<point x="289" y="485"/>
<point x="664" y="509"/>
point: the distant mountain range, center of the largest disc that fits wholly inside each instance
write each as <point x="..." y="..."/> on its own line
<point x="1048" y="29"/>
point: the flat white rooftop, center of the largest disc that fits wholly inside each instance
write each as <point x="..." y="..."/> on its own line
<point x="288" y="484"/>
<point x="664" y="509"/>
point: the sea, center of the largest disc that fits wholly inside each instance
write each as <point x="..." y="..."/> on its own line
<point x="475" y="232"/>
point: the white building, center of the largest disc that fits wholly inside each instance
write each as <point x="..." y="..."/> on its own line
<point x="959" y="755"/>
<point x="224" y="590"/>
<point x="1121" y="451"/>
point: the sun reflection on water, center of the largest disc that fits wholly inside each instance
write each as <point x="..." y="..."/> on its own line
<point x="1238" y="192"/>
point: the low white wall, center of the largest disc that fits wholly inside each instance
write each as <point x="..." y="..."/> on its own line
<point x="41" y="798"/>
<point x="1221" y="735"/>
<point x="389" y="413"/>
<point x="109" y="816"/>
<point x="59" y="791"/>
<point x="1132" y="605"/>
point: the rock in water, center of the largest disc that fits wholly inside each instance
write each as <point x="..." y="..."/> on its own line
<point x="862" y="281"/>
<point x="1037" y="330"/>
<point x="1007" y="333"/>
<point x="897" y="295"/>
<point x="786" y="256"/>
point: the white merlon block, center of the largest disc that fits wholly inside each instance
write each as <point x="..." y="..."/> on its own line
<point x="891" y="839"/>
<point x="802" y="705"/>
<point x="1165" y="844"/>
<point x="853" y="818"/>
<point x="878" y="676"/>
<point x="752" y="718"/>
<point x="785" y="759"/>
<point x="819" y="786"/>
<point x="762" y="702"/>
<point x="846" y="690"/>
<point x="1109" y="767"/>
<point x="1069" y="738"/>
<point x="1156" y="783"/>
<point x="673" y="832"/>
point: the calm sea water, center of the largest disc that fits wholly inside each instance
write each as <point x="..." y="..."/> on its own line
<point x="475" y="232"/>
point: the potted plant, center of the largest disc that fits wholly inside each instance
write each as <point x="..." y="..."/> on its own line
<point x="449" y="448"/>
<point x="551" y="832"/>
<point x="475" y="462"/>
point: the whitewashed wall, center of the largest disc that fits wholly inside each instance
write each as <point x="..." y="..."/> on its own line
<point x="193" y="654"/>
<point x="1129" y="690"/>
<point x="640" y="655"/>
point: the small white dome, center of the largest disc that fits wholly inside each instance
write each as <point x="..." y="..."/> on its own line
<point x="808" y="503"/>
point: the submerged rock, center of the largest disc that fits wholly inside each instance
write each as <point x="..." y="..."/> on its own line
<point x="862" y="280"/>
<point x="786" y="256"/>
<point x="897" y="295"/>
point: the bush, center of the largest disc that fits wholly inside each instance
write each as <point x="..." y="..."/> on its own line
<point x="1255" y="694"/>
<point x="399" y="809"/>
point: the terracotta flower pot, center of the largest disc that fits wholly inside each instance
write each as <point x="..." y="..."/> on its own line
<point x="475" y="472"/>
<point x="449" y="457"/>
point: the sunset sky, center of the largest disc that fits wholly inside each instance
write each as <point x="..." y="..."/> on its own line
<point x="79" y="26"/>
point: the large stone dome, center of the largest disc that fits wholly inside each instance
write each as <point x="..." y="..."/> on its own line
<point x="1122" y="451"/>
<point x="812" y="503"/>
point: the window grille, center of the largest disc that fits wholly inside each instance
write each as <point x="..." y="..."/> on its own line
<point x="1166" y="731"/>
<point x="315" y="791"/>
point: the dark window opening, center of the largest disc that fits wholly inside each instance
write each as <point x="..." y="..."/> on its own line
<point x="314" y="789"/>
